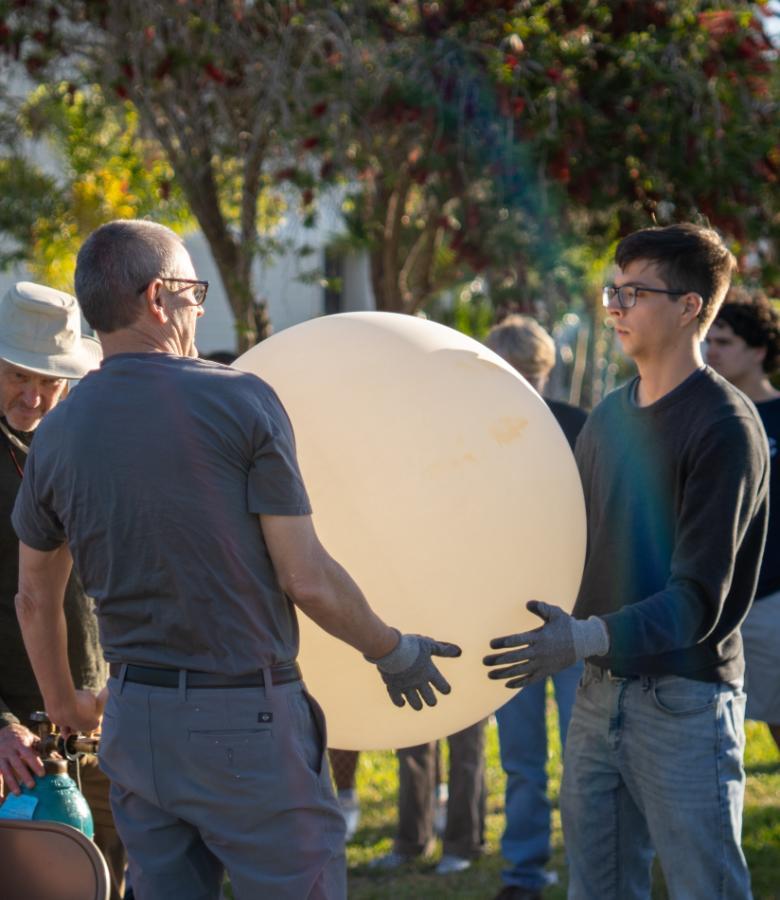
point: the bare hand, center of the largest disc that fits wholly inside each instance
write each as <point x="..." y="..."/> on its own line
<point x="19" y="761"/>
<point x="85" y="715"/>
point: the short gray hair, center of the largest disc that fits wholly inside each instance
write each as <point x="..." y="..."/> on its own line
<point x="115" y="263"/>
<point x="524" y="344"/>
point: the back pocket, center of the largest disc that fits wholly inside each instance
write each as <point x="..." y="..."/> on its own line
<point x="237" y="748"/>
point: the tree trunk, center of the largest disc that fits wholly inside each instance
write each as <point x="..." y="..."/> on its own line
<point x="249" y="311"/>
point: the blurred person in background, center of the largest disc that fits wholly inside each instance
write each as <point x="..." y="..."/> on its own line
<point x="522" y="722"/>
<point x="743" y="345"/>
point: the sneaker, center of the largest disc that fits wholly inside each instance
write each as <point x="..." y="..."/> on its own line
<point x="350" y="809"/>
<point x="449" y="865"/>
<point x="515" y="892"/>
<point x="390" y="861"/>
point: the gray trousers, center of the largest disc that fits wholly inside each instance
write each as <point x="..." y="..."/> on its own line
<point x="234" y="779"/>
<point x="417" y="771"/>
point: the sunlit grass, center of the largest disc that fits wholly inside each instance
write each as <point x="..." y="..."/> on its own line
<point x="377" y="783"/>
<point x="378" y="787"/>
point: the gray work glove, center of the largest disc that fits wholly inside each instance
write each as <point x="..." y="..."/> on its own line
<point x="409" y="672"/>
<point x="556" y="645"/>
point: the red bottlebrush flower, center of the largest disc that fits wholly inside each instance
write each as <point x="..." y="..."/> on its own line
<point x="127" y="70"/>
<point x="33" y="64"/>
<point x="765" y="171"/>
<point x="310" y="143"/>
<point x="307" y="197"/>
<point x="718" y="23"/>
<point x="288" y="174"/>
<point x="559" y="167"/>
<point x="518" y="106"/>
<point x="710" y="67"/>
<point x="319" y="110"/>
<point x="121" y="91"/>
<point x="215" y="73"/>
<point x="554" y="74"/>
<point x="759" y="87"/>
<point x="747" y="48"/>
<point x="511" y="61"/>
<point x="164" y="67"/>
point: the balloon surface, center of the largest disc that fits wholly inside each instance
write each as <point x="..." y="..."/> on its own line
<point x="441" y="481"/>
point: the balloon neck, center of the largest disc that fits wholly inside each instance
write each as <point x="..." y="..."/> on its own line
<point x="55" y="766"/>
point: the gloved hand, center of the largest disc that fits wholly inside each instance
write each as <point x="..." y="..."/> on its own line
<point x="409" y="672"/>
<point x="557" y="644"/>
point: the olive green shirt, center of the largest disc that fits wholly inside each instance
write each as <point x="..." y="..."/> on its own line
<point x="19" y="693"/>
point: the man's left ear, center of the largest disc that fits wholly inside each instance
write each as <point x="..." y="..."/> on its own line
<point x="691" y="307"/>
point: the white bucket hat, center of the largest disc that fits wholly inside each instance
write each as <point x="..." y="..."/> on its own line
<point x="40" y="330"/>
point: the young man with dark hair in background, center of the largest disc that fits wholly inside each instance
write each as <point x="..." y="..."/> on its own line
<point x="743" y="345"/>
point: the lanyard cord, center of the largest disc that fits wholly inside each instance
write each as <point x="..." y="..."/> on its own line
<point x="12" y="454"/>
<point x="13" y="441"/>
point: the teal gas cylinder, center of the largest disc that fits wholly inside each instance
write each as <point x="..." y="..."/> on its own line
<point x="55" y="798"/>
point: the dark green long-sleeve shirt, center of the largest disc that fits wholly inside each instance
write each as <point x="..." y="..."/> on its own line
<point x="19" y="693"/>
<point x="676" y="498"/>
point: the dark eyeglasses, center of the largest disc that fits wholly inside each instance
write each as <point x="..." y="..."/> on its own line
<point x="199" y="288"/>
<point x="627" y="294"/>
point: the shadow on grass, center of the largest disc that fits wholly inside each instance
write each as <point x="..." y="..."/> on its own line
<point x="764" y="768"/>
<point x="760" y="841"/>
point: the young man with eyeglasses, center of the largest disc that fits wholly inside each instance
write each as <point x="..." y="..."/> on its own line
<point x="175" y="484"/>
<point x="675" y="471"/>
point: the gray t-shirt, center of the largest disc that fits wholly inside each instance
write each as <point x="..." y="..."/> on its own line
<point x="154" y="470"/>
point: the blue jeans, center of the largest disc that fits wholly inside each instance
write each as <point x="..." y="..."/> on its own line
<point x="654" y="764"/>
<point x="522" y="734"/>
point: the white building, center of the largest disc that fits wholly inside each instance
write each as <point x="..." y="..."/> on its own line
<point x="290" y="299"/>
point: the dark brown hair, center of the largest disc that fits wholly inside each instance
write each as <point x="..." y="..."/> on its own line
<point x="689" y="258"/>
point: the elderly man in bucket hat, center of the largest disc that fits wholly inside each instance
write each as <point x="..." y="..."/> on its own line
<point x="41" y="349"/>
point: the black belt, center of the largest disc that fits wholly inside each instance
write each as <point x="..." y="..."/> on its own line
<point x="611" y="674"/>
<point x="285" y="673"/>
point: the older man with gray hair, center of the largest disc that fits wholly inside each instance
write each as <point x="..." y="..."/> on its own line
<point x="41" y="349"/>
<point x="176" y="487"/>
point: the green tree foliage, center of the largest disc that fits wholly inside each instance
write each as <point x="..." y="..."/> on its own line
<point x="214" y="84"/>
<point x="495" y="136"/>
<point x="487" y="137"/>
<point x="102" y="169"/>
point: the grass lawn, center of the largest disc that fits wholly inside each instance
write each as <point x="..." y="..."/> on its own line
<point x="378" y="785"/>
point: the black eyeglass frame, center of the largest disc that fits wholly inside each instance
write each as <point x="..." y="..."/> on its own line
<point x="610" y="290"/>
<point x="188" y="282"/>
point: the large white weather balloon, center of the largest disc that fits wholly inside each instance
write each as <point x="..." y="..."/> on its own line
<point x="440" y="480"/>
